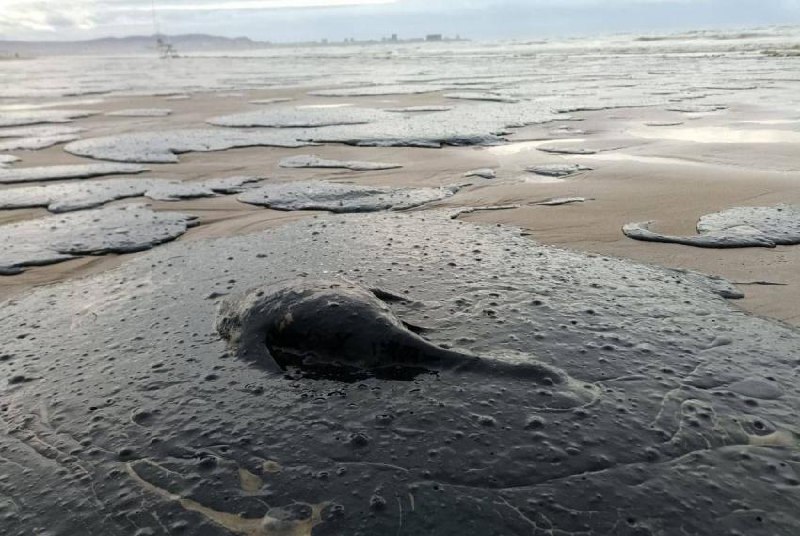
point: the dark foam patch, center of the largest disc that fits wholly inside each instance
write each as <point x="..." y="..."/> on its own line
<point x="264" y="102"/>
<point x="32" y="138"/>
<point x="141" y="112"/>
<point x="135" y="416"/>
<point x="165" y="146"/>
<point x="36" y="117"/>
<point x="67" y="197"/>
<point x="377" y="90"/>
<point x="696" y="108"/>
<point x="338" y="197"/>
<point x="164" y="190"/>
<point x="312" y="161"/>
<point x="479" y="124"/>
<point x="299" y="117"/>
<point x="419" y="109"/>
<point x="34" y="144"/>
<point x="92" y="232"/>
<point x="557" y="201"/>
<point x="737" y="227"/>
<point x="565" y="149"/>
<point x="485" y="97"/>
<point x="72" y="171"/>
<point x="557" y="170"/>
<point x="483" y="173"/>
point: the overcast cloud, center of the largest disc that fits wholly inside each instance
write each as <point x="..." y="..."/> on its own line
<point x="293" y="20"/>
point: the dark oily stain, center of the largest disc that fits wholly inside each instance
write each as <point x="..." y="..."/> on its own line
<point x="37" y="137"/>
<point x="142" y="420"/>
<point x="557" y="201"/>
<point x="664" y="123"/>
<point x="232" y="185"/>
<point x="484" y="124"/>
<point x="424" y="141"/>
<point x="454" y="215"/>
<point x="557" y="170"/>
<point x="716" y="284"/>
<point x="34" y="144"/>
<point x="696" y="108"/>
<point x="737" y="227"/>
<point x="170" y="190"/>
<point x="484" y="173"/>
<point x="70" y="196"/>
<point x="40" y="131"/>
<point x="93" y="232"/>
<point x="270" y="101"/>
<point x="488" y="97"/>
<point x="141" y="112"/>
<point x="336" y="197"/>
<point x="7" y="159"/>
<point x="731" y="87"/>
<point x="337" y="326"/>
<point x="418" y="109"/>
<point x="377" y="90"/>
<point x="617" y="101"/>
<point x="552" y="149"/>
<point x="37" y="117"/>
<point x="299" y="117"/>
<point x="72" y="171"/>
<point x="165" y="146"/>
<point x="313" y="161"/>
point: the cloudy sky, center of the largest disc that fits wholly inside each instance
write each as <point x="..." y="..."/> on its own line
<point x="296" y="20"/>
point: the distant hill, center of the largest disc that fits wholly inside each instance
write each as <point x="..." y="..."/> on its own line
<point x="138" y="44"/>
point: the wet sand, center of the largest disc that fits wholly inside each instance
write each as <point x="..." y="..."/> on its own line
<point x="669" y="174"/>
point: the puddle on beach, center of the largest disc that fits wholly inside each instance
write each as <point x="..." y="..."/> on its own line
<point x="771" y="122"/>
<point x="526" y="146"/>
<point x="719" y="135"/>
<point x="623" y="157"/>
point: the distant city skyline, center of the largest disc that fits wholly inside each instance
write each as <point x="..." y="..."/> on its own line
<point x="335" y="20"/>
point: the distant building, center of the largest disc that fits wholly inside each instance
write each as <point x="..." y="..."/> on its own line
<point x="433" y="37"/>
<point x="394" y="38"/>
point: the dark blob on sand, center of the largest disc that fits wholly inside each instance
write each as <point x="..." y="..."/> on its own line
<point x="333" y="328"/>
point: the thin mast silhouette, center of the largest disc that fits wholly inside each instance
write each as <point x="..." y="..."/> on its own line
<point x="164" y="48"/>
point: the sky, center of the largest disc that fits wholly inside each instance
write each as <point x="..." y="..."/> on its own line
<point x="302" y="20"/>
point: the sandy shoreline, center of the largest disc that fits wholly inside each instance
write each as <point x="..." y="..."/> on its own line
<point x="645" y="178"/>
